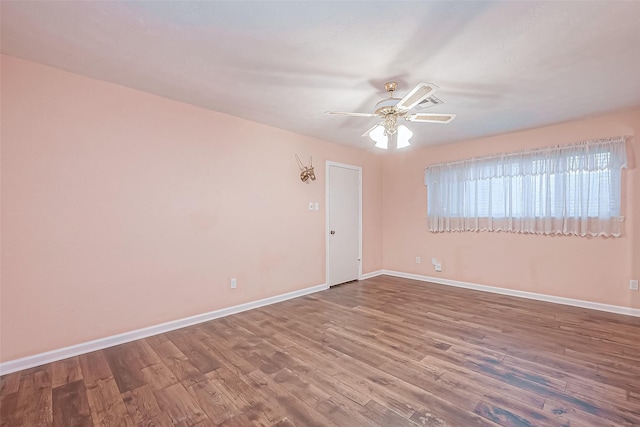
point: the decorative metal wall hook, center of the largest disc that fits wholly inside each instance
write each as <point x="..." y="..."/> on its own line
<point x="306" y="172"/>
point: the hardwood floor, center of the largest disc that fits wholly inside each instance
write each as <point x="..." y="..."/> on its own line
<point x="381" y="352"/>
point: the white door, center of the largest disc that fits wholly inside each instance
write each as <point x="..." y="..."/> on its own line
<point x="343" y="223"/>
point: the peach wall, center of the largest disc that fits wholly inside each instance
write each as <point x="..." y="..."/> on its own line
<point x="591" y="269"/>
<point x="121" y="210"/>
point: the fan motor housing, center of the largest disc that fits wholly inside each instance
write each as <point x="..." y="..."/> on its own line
<point x="386" y="106"/>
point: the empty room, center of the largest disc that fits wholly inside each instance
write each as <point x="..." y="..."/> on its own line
<point x="319" y="213"/>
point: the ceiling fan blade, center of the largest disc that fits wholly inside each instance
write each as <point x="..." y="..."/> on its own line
<point x="417" y="95"/>
<point x="431" y="118"/>
<point x="369" y="131"/>
<point x="351" y="114"/>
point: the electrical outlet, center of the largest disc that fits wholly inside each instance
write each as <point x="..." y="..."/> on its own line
<point x="633" y="285"/>
<point x="438" y="267"/>
<point x="233" y="283"/>
<point x="418" y="260"/>
<point x="310" y="206"/>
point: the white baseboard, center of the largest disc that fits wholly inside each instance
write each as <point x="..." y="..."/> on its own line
<point x="87" y="347"/>
<point x="99" y="344"/>
<point x="629" y="311"/>
<point x="371" y="274"/>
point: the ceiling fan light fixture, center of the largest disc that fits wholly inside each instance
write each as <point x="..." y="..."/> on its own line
<point x="383" y="144"/>
<point x="380" y="137"/>
<point x="404" y="135"/>
<point x="392" y="109"/>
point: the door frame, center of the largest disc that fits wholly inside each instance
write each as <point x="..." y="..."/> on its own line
<point x="330" y="163"/>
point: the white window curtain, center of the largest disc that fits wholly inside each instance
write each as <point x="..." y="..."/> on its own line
<point x="573" y="190"/>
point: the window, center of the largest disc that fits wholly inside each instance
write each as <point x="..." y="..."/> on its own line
<point x="562" y="190"/>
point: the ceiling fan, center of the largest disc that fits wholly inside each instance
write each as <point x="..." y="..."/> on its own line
<point x="392" y="109"/>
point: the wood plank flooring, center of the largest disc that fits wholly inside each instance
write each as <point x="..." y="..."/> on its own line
<point x="380" y="352"/>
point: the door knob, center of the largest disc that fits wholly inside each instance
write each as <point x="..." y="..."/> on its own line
<point x="333" y="231"/>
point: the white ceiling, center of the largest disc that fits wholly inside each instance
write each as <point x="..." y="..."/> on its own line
<point x="501" y="66"/>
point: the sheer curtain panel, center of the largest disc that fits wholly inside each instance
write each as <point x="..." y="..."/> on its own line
<point x="572" y="190"/>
